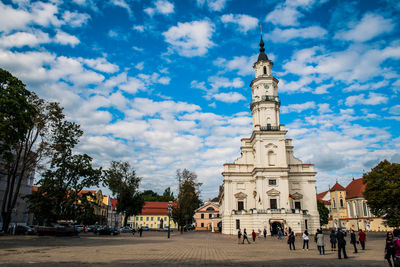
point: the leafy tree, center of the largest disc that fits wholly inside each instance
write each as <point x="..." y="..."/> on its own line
<point x="168" y="195"/>
<point x="382" y="191"/>
<point x="58" y="196"/>
<point x="188" y="197"/>
<point x="121" y="179"/>
<point x="150" y="195"/>
<point x="24" y="129"/>
<point x="323" y="213"/>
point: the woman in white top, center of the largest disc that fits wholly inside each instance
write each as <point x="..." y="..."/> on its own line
<point x="306" y="239"/>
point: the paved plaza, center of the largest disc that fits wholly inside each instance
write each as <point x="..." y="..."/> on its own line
<point x="189" y="249"/>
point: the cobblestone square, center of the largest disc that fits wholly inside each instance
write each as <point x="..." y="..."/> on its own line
<point x="189" y="249"/>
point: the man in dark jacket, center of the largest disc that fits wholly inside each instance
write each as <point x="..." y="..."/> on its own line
<point x="341" y="244"/>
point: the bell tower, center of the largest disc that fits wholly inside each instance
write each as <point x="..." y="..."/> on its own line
<point x="264" y="90"/>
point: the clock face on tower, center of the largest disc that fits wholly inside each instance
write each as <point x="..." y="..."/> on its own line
<point x="266" y="86"/>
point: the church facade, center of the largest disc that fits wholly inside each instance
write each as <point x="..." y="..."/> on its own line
<point x="267" y="187"/>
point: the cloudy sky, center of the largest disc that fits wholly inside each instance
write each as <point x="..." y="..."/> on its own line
<point x="165" y="84"/>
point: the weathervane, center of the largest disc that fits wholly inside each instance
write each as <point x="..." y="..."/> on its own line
<point x="261" y="29"/>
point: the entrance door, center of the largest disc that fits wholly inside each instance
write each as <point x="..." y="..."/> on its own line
<point x="275" y="227"/>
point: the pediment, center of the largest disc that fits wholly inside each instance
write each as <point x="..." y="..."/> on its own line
<point x="240" y="195"/>
<point x="297" y="195"/>
<point x="273" y="192"/>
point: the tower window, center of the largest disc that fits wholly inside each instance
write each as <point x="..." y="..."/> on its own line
<point x="272" y="182"/>
<point x="240" y="205"/>
<point x="265" y="70"/>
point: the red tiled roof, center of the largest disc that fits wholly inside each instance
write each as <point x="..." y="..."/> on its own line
<point x="337" y="187"/>
<point x="355" y="188"/>
<point x="114" y="204"/>
<point x="321" y="195"/>
<point x="155" y="208"/>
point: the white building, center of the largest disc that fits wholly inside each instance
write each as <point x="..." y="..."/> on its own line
<point x="267" y="187"/>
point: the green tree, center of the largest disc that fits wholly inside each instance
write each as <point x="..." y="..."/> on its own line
<point x="24" y="129"/>
<point x="58" y="196"/>
<point x="382" y="191"/>
<point x="121" y="179"/>
<point x="167" y="195"/>
<point x="150" y="195"/>
<point x="323" y="213"/>
<point x="188" y="199"/>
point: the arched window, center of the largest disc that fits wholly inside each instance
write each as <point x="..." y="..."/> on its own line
<point x="210" y="208"/>
<point x="265" y="70"/>
<point x="341" y="202"/>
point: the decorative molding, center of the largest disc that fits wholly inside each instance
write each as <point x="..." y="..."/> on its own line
<point x="273" y="192"/>
<point x="297" y="196"/>
<point x="240" y="195"/>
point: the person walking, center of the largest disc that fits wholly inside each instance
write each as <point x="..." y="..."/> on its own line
<point x="321" y="242"/>
<point x="361" y="238"/>
<point x="396" y="240"/>
<point x="353" y="240"/>
<point x="254" y="235"/>
<point x="245" y="236"/>
<point x="291" y="240"/>
<point x="341" y="244"/>
<point x="390" y="252"/>
<point x="265" y="233"/>
<point x="279" y="234"/>
<point x="332" y="237"/>
<point x="306" y="239"/>
<point x="239" y="236"/>
<point x="140" y="231"/>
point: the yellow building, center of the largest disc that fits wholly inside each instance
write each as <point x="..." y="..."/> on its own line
<point x="154" y="215"/>
<point x="348" y="208"/>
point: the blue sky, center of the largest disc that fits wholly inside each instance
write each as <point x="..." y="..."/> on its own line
<point x="165" y="84"/>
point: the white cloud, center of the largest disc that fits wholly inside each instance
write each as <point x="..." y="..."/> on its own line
<point x="100" y="64"/>
<point x="20" y="39"/>
<point x="395" y="110"/>
<point x="284" y="15"/>
<point x="298" y="107"/>
<point x="213" y="5"/>
<point x="370" y="26"/>
<point x="231" y="97"/>
<point x="139" y="28"/>
<point x="75" y="19"/>
<point x="372" y="99"/>
<point x="163" y="7"/>
<point x="243" y="22"/>
<point x="66" y="39"/>
<point x="191" y="38"/>
<point x="123" y="4"/>
<point x="140" y="65"/>
<point x="324" y="108"/>
<point x="312" y="32"/>
<point x="243" y="64"/>
<point x="38" y="13"/>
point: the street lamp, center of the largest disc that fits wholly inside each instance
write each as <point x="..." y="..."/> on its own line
<point x="169" y="218"/>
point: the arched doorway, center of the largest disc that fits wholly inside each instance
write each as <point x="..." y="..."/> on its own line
<point x="161" y="224"/>
<point x="275" y="227"/>
<point x="220" y="226"/>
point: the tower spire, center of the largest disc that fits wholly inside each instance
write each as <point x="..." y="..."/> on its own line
<point x="262" y="55"/>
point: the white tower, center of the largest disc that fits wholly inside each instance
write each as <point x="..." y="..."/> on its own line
<point x="267" y="187"/>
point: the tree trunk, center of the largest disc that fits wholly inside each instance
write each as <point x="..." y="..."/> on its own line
<point x="6" y="220"/>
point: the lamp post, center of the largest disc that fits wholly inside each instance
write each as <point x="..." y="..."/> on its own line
<point x="169" y="219"/>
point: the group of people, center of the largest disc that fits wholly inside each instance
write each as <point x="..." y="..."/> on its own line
<point x="243" y="236"/>
<point x="337" y="241"/>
